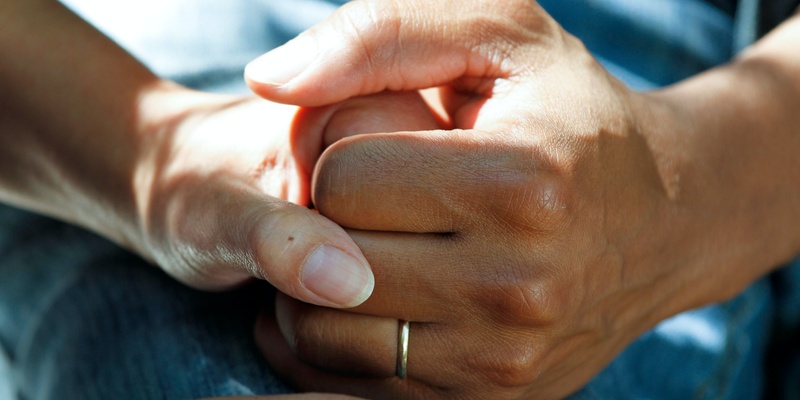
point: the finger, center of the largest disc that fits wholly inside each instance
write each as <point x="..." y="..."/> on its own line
<point x="432" y="182"/>
<point x="395" y="182"/>
<point x="443" y="361"/>
<point x="416" y="275"/>
<point x="355" y="344"/>
<point x="365" y="346"/>
<point x="229" y="230"/>
<point x="382" y="112"/>
<point x="370" y="46"/>
<point x="430" y="278"/>
<point x="316" y="128"/>
<point x="305" y="377"/>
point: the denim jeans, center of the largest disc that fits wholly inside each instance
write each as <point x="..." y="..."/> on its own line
<point x="82" y="318"/>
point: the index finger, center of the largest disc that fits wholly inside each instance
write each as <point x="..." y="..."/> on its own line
<point x="451" y="182"/>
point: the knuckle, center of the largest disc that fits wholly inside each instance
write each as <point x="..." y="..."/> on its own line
<point x="538" y="204"/>
<point x="508" y="365"/>
<point x="526" y="301"/>
<point x="531" y="191"/>
<point x="506" y="26"/>
<point x="371" y="31"/>
<point x="526" y="187"/>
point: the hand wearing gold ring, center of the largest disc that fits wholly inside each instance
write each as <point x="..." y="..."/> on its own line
<point x="562" y="218"/>
<point x="481" y="235"/>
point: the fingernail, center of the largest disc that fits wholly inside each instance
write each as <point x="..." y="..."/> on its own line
<point x="284" y="63"/>
<point x="337" y="277"/>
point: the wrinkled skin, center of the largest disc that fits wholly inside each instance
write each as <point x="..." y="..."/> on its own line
<point x="563" y="215"/>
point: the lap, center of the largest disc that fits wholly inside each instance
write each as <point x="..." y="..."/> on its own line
<point x="82" y="318"/>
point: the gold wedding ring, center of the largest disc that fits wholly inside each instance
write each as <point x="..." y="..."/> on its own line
<point x="402" y="347"/>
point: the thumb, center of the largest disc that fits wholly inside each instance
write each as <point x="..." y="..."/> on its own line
<point x="222" y="232"/>
<point x="308" y="257"/>
<point x="370" y="46"/>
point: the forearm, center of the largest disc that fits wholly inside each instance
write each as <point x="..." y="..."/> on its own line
<point x="733" y="168"/>
<point x="72" y="115"/>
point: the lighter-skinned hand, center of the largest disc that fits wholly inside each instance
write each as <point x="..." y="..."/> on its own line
<point x="222" y="193"/>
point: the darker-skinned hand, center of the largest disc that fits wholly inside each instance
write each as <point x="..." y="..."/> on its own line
<point x="528" y="245"/>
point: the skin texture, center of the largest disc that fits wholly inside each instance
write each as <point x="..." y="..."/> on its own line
<point x="208" y="187"/>
<point x="212" y="189"/>
<point x="563" y="215"/>
<point x="509" y="295"/>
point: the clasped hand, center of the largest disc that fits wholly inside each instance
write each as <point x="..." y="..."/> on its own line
<point x="525" y="244"/>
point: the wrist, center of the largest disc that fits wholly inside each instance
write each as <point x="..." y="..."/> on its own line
<point x="165" y="112"/>
<point x="189" y="140"/>
<point x="726" y="144"/>
<point x="119" y="180"/>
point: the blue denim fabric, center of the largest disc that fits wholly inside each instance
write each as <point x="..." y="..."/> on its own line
<point x="650" y="43"/>
<point x="84" y="319"/>
<point x="81" y="318"/>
